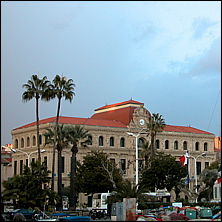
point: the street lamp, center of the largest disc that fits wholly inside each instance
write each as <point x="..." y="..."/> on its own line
<point x="28" y="154"/>
<point x="195" y="168"/>
<point x="136" y="136"/>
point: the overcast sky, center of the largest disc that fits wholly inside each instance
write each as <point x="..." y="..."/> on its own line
<point x="166" y="54"/>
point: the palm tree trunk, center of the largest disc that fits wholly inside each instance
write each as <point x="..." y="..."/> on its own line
<point x="37" y="124"/>
<point x="72" y="202"/>
<point x="59" y="206"/>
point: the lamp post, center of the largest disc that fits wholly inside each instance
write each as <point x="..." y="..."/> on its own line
<point x="136" y="136"/>
<point x="195" y="168"/>
<point x="28" y="154"/>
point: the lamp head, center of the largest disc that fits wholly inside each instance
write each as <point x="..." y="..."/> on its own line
<point x="130" y="134"/>
<point x="204" y="154"/>
<point x="43" y="151"/>
<point x="13" y="150"/>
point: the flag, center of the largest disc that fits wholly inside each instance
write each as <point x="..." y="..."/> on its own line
<point x="184" y="159"/>
<point x="219" y="175"/>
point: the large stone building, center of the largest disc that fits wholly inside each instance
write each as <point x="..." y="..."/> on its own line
<point x="109" y="126"/>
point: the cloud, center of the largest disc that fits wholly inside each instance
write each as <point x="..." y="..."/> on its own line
<point x="200" y="27"/>
<point x="208" y="65"/>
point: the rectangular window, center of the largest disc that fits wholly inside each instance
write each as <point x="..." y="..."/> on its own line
<point x="123" y="165"/>
<point x="26" y="162"/>
<point x="15" y="167"/>
<point x="21" y="166"/>
<point x="198" y="168"/>
<point x="33" y="160"/>
<point x="63" y="164"/>
<point x="45" y="160"/>
<point x="206" y="164"/>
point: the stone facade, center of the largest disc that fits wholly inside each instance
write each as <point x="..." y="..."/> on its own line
<point x="108" y="127"/>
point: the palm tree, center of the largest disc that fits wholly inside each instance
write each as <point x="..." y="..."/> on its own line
<point x="60" y="88"/>
<point x="156" y="124"/>
<point x="36" y="88"/>
<point x="58" y="137"/>
<point x="146" y="150"/>
<point x="75" y="134"/>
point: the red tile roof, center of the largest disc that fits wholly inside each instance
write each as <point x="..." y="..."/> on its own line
<point x="184" y="129"/>
<point x="123" y="115"/>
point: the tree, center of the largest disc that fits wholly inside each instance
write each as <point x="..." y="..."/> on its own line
<point x="163" y="172"/>
<point x="58" y="137"/>
<point x="60" y="88"/>
<point x="36" y="88"/>
<point x="155" y="124"/>
<point x="92" y="177"/>
<point x="27" y="190"/>
<point x="146" y="151"/>
<point x="75" y="135"/>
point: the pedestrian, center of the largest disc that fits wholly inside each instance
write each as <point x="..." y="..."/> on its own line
<point x="19" y="217"/>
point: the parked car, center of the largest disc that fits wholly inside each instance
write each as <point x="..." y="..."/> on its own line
<point x="28" y="213"/>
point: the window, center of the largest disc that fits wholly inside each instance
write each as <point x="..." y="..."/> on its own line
<point x="207" y="164"/>
<point x="198" y="168"/>
<point x="157" y="144"/>
<point x="140" y="142"/>
<point x="33" y="141"/>
<point x="45" y="160"/>
<point x="123" y="165"/>
<point x="197" y="146"/>
<point x="40" y="139"/>
<point x="33" y="160"/>
<point x="185" y="145"/>
<point x="166" y="144"/>
<point x="215" y="192"/>
<point x="63" y="164"/>
<point x="100" y="141"/>
<point x="175" y="145"/>
<point x="28" y="141"/>
<point x="26" y="162"/>
<point x="22" y="143"/>
<point x="111" y="141"/>
<point x="15" y="167"/>
<point x="21" y="166"/>
<point x="89" y="140"/>
<point x="122" y="142"/>
<point x="16" y="143"/>
<point x="205" y="146"/>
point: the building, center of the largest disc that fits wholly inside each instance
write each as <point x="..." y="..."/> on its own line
<point x="6" y="163"/>
<point x="109" y="126"/>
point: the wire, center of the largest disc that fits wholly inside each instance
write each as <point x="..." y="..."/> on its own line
<point x="213" y="110"/>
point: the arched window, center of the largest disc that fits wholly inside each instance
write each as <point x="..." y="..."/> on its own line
<point x="28" y="141"/>
<point x="122" y="142"/>
<point x="185" y="145"/>
<point x="22" y="143"/>
<point x="100" y="141"/>
<point x="16" y="143"/>
<point x="175" y="145"/>
<point x="34" y="141"/>
<point x="166" y="144"/>
<point x="111" y="141"/>
<point x="157" y="144"/>
<point x="205" y="146"/>
<point x="89" y="140"/>
<point x="40" y="139"/>
<point x="197" y="146"/>
<point x="140" y="142"/>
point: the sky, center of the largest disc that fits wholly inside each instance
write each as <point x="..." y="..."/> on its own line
<point x="165" y="54"/>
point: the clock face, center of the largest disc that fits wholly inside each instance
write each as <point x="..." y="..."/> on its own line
<point x="142" y="121"/>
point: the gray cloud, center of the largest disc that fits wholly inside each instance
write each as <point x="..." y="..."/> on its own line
<point x="200" y="27"/>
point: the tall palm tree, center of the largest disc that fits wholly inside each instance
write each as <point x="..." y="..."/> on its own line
<point x="156" y="124"/>
<point x="146" y="151"/>
<point x="75" y="134"/>
<point x="36" y="88"/>
<point x="58" y="137"/>
<point x="60" y="88"/>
